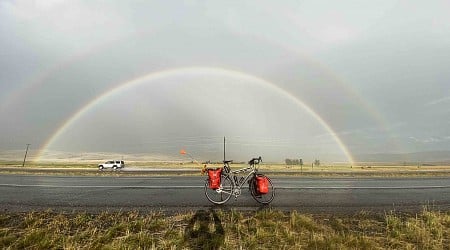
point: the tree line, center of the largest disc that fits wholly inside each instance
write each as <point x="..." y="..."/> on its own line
<point x="299" y="162"/>
<point x="294" y="162"/>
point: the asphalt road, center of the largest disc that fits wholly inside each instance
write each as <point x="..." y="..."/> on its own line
<point x="178" y="193"/>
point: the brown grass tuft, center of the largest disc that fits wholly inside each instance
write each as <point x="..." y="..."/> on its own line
<point x="218" y="229"/>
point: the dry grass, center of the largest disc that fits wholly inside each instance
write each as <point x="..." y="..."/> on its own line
<point x="217" y="229"/>
<point x="265" y="166"/>
<point x="140" y="168"/>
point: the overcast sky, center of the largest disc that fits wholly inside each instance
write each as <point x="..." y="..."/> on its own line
<point x="281" y="79"/>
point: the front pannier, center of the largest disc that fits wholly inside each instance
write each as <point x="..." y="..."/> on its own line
<point x="214" y="178"/>
<point x="262" y="184"/>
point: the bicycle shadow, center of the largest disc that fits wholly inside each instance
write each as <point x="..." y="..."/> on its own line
<point x="204" y="231"/>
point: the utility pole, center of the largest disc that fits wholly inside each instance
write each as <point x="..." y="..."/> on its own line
<point x="224" y="149"/>
<point x="25" y="157"/>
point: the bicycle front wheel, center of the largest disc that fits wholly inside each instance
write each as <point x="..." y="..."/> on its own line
<point x="221" y="194"/>
<point x="262" y="198"/>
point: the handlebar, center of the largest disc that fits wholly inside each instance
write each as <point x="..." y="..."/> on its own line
<point x="254" y="161"/>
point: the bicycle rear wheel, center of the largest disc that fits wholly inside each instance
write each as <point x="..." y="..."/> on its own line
<point x="262" y="198"/>
<point x="223" y="193"/>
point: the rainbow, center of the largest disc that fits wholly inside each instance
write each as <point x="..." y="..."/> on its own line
<point x="24" y="90"/>
<point x="42" y="77"/>
<point x="182" y="72"/>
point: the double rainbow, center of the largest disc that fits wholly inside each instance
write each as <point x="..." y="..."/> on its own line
<point x="184" y="71"/>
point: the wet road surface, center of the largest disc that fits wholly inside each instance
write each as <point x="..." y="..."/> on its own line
<point x="178" y="193"/>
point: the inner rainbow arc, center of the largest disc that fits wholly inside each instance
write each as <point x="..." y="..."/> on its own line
<point x="191" y="71"/>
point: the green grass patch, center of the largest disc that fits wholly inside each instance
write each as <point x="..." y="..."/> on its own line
<point x="219" y="229"/>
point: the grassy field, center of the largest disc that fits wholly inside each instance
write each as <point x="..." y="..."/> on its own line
<point x="139" y="168"/>
<point x="218" y="229"/>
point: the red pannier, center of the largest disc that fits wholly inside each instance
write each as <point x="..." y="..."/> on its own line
<point x="262" y="184"/>
<point x="214" y="178"/>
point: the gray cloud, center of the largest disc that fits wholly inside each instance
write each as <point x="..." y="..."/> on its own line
<point x="363" y="67"/>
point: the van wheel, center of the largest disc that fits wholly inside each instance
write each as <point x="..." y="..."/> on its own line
<point x="114" y="168"/>
<point x="100" y="167"/>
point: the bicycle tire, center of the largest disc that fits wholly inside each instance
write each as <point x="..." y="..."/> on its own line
<point x="262" y="198"/>
<point x="221" y="195"/>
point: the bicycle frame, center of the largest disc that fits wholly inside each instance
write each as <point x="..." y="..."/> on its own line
<point x="238" y="181"/>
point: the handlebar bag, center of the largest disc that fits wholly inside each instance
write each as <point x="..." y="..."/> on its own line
<point x="262" y="184"/>
<point x="214" y="178"/>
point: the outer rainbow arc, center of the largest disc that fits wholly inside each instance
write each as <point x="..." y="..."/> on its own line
<point x="26" y="89"/>
<point x="39" y="79"/>
<point x="183" y="71"/>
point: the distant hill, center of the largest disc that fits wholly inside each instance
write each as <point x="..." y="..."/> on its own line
<point x="416" y="157"/>
<point x="60" y="156"/>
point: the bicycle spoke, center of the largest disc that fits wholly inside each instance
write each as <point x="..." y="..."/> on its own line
<point x="221" y="195"/>
<point x="225" y="192"/>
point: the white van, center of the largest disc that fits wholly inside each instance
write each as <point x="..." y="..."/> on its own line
<point x="111" y="164"/>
